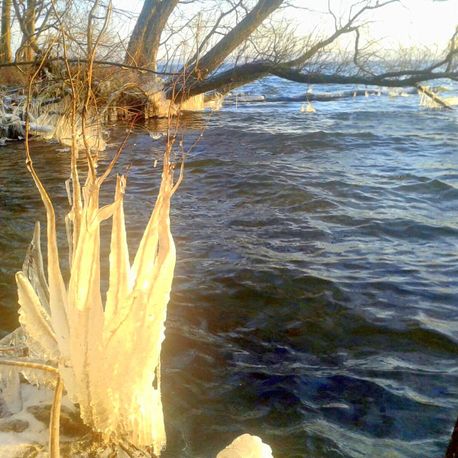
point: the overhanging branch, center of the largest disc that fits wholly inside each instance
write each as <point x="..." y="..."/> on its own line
<point x="244" y="74"/>
<point x="403" y="79"/>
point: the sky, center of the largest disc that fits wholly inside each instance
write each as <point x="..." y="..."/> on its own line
<point x="417" y="22"/>
<point x="412" y="23"/>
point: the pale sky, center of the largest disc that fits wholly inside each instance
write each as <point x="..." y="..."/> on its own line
<point x="412" y="23"/>
<point x="417" y="22"/>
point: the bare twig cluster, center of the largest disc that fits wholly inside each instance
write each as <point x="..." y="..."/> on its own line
<point x="218" y="45"/>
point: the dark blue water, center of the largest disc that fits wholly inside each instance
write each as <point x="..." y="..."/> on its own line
<point x="315" y="296"/>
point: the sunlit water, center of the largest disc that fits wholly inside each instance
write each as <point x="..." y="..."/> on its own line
<point x="315" y="296"/>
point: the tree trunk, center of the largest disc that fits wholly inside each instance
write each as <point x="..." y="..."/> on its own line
<point x="243" y="74"/>
<point x="5" y="39"/>
<point x="145" y="39"/>
<point x="29" y="24"/>
<point x="135" y="46"/>
<point x="197" y="76"/>
<point x="241" y="32"/>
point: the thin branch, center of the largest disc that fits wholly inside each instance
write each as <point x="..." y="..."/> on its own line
<point x="29" y="365"/>
<point x="54" y="420"/>
<point x="96" y="62"/>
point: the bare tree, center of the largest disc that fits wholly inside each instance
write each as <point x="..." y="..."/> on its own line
<point x="198" y="46"/>
<point x="233" y="42"/>
<point x="35" y="19"/>
<point x="145" y="39"/>
<point x="5" y="39"/>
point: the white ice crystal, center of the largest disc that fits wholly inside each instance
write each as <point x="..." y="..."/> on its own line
<point x="108" y="355"/>
<point x="246" y="446"/>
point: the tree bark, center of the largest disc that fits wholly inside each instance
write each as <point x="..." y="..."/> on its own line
<point x="216" y="56"/>
<point x="403" y="79"/>
<point x="145" y="39"/>
<point x="29" y="23"/>
<point x="5" y="39"/>
<point x="230" y="79"/>
<point x="244" y="74"/>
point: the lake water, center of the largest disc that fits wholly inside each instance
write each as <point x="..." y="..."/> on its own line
<point x="316" y="287"/>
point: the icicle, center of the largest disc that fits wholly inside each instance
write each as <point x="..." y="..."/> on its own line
<point x="35" y="321"/>
<point x="34" y="271"/>
<point x="309" y="108"/>
<point x="108" y="357"/>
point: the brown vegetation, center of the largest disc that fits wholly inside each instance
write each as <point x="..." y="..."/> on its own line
<point x="217" y="46"/>
<point x="13" y="76"/>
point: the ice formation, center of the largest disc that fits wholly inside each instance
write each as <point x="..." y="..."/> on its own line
<point x="108" y="355"/>
<point x="246" y="446"/>
<point x="307" y="108"/>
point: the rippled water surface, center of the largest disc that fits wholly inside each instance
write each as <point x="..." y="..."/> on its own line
<point x="315" y="296"/>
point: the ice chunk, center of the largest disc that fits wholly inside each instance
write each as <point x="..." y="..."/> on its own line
<point x="246" y="446"/>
